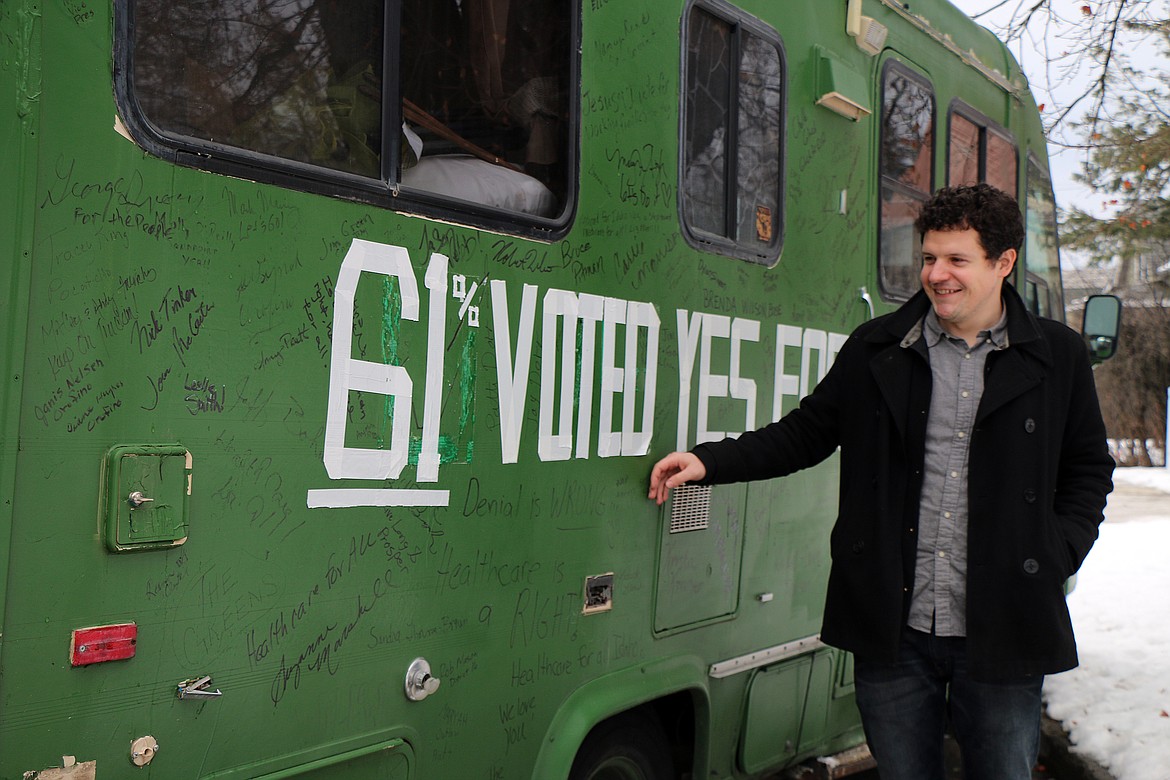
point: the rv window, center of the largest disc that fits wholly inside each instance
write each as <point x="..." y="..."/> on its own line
<point x="907" y="155"/>
<point x="963" y="162"/>
<point x="1037" y="297"/>
<point x="731" y="168"/>
<point x="1041" y="251"/>
<point x="1001" y="163"/>
<point x="980" y="151"/>
<point x="475" y="109"/>
<point x="285" y="79"/>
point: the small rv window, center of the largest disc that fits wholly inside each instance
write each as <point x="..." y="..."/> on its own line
<point x="467" y="103"/>
<point x="963" y="156"/>
<point x="980" y="151"/>
<point x="1037" y="296"/>
<point x="907" y="156"/>
<point x="1001" y="163"/>
<point x="731" y="162"/>
<point x="1041" y="251"/>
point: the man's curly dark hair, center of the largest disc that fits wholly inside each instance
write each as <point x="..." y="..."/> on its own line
<point x="992" y="213"/>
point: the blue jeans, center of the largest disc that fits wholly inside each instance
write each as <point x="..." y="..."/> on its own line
<point x="905" y="704"/>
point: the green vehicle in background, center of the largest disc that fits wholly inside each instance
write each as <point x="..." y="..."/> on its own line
<point x="340" y="338"/>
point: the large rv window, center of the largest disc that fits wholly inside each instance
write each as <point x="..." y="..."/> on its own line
<point x="979" y="151"/>
<point x="731" y="167"/>
<point x="465" y="100"/>
<point x="907" y="155"/>
<point x="1041" y="251"/>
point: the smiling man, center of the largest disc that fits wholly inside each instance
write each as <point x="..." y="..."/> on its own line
<point x="974" y="472"/>
<point x="963" y="282"/>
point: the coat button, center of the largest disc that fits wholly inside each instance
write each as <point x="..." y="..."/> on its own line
<point x="1029" y="425"/>
<point x="1031" y="566"/>
<point x="1030" y="495"/>
<point x="858" y="547"/>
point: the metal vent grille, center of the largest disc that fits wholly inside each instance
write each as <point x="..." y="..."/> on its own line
<point x="690" y="507"/>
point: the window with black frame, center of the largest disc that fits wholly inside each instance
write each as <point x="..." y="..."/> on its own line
<point x="906" y="165"/>
<point x="980" y="151"/>
<point x="1041" y="247"/>
<point x="732" y="171"/>
<point x="475" y="107"/>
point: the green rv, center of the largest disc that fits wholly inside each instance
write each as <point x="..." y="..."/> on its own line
<point x="340" y="337"/>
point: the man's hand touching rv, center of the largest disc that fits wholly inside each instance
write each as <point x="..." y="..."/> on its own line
<point x="675" y="469"/>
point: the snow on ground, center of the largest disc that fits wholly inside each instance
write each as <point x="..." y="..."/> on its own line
<point x="1116" y="704"/>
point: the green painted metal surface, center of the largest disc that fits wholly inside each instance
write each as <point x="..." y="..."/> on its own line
<point x="302" y="346"/>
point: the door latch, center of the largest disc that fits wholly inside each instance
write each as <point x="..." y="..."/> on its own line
<point x="136" y="499"/>
<point x="198" y="688"/>
<point x="419" y="682"/>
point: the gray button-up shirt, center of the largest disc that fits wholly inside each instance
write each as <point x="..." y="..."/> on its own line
<point x="938" y="604"/>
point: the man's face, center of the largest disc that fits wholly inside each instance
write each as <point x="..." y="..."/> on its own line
<point x="963" y="284"/>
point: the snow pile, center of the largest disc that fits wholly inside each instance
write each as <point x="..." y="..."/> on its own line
<point x="1116" y="705"/>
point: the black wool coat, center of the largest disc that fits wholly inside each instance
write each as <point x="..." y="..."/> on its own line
<point x="1039" y="473"/>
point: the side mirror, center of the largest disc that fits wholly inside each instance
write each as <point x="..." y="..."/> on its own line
<point x="1102" y="326"/>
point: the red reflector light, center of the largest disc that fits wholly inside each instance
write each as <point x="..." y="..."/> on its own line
<point x="103" y="643"/>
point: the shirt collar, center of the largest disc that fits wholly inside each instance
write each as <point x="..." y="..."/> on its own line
<point x="931" y="330"/>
